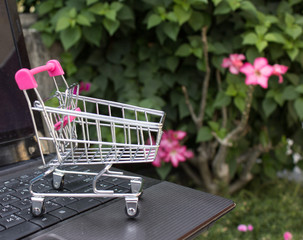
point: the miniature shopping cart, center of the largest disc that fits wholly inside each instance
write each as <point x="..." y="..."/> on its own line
<point x="90" y="131"/>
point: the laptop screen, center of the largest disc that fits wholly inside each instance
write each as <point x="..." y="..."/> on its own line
<point x="15" y="119"/>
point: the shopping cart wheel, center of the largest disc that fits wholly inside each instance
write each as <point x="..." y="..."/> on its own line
<point x="38" y="207"/>
<point x="58" y="180"/>
<point x="130" y="212"/>
<point x="131" y="207"/>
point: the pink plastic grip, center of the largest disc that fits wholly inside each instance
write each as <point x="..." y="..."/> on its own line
<point x="65" y="120"/>
<point x="25" y="77"/>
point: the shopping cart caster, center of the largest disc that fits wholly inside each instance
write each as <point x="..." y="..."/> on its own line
<point x="131" y="208"/>
<point x="58" y="180"/>
<point x="38" y="207"/>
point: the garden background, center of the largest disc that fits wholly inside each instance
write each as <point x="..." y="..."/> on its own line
<point x="167" y="54"/>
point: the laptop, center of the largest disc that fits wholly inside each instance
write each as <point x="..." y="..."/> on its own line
<point x="167" y="210"/>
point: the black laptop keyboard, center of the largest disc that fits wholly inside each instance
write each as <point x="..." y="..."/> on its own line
<point x="16" y="219"/>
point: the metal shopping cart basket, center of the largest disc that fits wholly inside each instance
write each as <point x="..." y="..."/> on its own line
<point x="90" y="131"/>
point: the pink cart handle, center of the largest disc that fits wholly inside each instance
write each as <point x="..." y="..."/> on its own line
<point x="25" y="77"/>
<point x="65" y="120"/>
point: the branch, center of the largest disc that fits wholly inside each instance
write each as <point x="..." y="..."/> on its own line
<point x="191" y="174"/>
<point x="234" y="134"/>
<point x="198" y="120"/>
<point x="246" y="175"/>
<point x="206" y="78"/>
<point x="223" y="109"/>
<point x="189" y="105"/>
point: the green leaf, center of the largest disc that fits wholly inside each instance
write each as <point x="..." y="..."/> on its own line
<point x="48" y="39"/>
<point x="275" y="37"/>
<point x="250" y="38"/>
<point x="289" y="93"/>
<point x="171" y="30"/>
<point x="184" y="50"/>
<point x="182" y="15"/>
<point x="93" y="34"/>
<point x="248" y="6"/>
<point x="62" y="24"/>
<point x="116" y="6"/>
<point x="172" y="63"/>
<point x="99" y="8"/>
<point x="299" y="88"/>
<point x="234" y="4"/>
<point x="89" y="2"/>
<point x="222" y="8"/>
<point x="269" y="106"/>
<point x="40" y="25"/>
<point x="231" y="90"/>
<point x="293" y="78"/>
<point x="164" y="170"/>
<point x="111" y="26"/>
<point x="299" y="107"/>
<point x="260" y="30"/>
<point x="222" y="100"/>
<point x="214" y="126"/>
<point x="81" y="19"/>
<point x="240" y="103"/>
<point x="261" y="45"/>
<point x="204" y="134"/>
<point x="218" y="48"/>
<point x="183" y="109"/>
<point x="69" y="37"/>
<point x="217" y="2"/>
<point x="252" y="54"/>
<point x="294" y="31"/>
<point x="72" y="13"/>
<point x="196" y="20"/>
<point x="126" y="13"/>
<point x="289" y="20"/>
<point x="279" y="98"/>
<point x="153" y="20"/>
<point x="293" y="53"/>
<point x="45" y="7"/>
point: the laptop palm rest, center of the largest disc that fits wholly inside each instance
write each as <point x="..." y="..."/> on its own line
<point x="167" y="211"/>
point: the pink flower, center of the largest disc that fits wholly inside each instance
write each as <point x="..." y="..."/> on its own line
<point x="279" y="70"/>
<point x="176" y="155"/>
<point x="242" y="228"/>
<point x="287" y="236"/>
<point x="234" y="62"/>
<point x="170" y="149"/>
<point x="157" y="161"/>
<point x="83" y="87"/>
<point x="257" y="73"/>
<point x="250" y="227"/>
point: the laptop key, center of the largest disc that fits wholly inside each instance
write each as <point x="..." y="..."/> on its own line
<point x="4" y="200"/>
<point x="5" y="190"/>
<point x="19" y="231"/>
<point x="115" y="180"/>
<point x="26" y="214"/>
<point x="63" y="213"/>
<point x="45" y="221"/>
<point x="11" y="220"/>
<point x="84" y="204"/>
<point x="7" y="210"/>
<point x="23" y="203"/>
<point x="50" y="206"/>
<point x="63" y="201"/>
<point x="22" y="193"/>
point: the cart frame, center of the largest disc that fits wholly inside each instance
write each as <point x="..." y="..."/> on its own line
<point x="113" y="133"/>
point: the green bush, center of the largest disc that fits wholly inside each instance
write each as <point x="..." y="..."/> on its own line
<point x="145" y="52"/>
